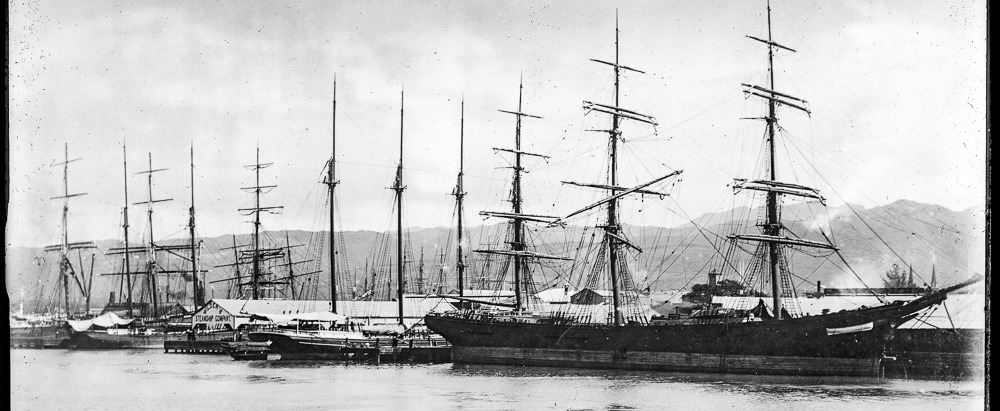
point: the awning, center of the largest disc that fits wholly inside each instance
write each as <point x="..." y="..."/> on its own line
<point x="106" y="320"/>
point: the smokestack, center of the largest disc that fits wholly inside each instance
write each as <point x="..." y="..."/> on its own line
<point x="819" y="287"/>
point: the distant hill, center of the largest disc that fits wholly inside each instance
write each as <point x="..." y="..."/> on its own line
<point x="925" y="235"/>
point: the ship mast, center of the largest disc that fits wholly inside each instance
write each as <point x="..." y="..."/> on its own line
<point x="773" y="225"/>
<point x="194" y="251"/>
<point x="291" y="272"/>
<point x="420" y="273"/>
<point x="256" y="230"/>
<point x="517" y="250"/>
<point x="331" y="183"/>
<point x="518" y="243"/>
<point x="151" y="267"/>
<point x="772" y="228"/>
<point x="398" y="187"/>
<point x="256" y="210"/>
<point x="459" y="194"/>
<point x="612" y="226"/>
<point x="236" y="267"/>
<point x="128" y="270"/>
<point x="65" y="266"/>
<point x="613" y="235"/>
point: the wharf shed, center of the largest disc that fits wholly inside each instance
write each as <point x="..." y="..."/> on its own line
<point x="228" y="314"/>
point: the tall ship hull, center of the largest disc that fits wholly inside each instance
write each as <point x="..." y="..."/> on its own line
<point x="850" y="343"/>
<point x="309" y="346"/>
<point x="313" y="346"/>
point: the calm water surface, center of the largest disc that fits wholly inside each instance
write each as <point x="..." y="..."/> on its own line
<point x="150" y="379"/>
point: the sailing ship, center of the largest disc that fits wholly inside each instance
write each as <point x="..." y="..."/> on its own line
<point x="776" y="340"/>
<point x="145" y="322"/>
<point x="50" y="330"/>
<point x="341" y="339"/>
<point x="329" y="343"/>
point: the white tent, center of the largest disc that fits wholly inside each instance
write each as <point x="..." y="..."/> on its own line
<point x="107" y="320"/>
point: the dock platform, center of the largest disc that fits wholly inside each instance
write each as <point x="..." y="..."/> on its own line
<point x="194" y="347"/>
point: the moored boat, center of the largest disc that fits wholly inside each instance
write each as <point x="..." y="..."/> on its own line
<point x="110" y="332"/>
<point x="844" y="343"/>
<point x="333" y="336"/>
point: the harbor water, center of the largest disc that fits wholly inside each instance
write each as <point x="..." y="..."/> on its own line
<point x="150" y="379"/>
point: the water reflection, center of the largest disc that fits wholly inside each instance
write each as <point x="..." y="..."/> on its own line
<point x="96" y="380"/>
<point x="763" y="386"/>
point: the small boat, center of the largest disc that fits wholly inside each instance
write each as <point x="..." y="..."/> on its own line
<point x="29" y="331"/>
<point x="247" y="350"/>
<point x="110" y="332"/>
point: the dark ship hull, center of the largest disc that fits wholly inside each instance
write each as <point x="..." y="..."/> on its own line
<point x="844" y="343"/>
<point x="300" y="346"/>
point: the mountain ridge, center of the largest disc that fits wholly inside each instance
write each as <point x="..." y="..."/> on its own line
<point x="924" y="235"/>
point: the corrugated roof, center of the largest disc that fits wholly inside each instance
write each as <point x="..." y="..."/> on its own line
<point x="412" y="307"/>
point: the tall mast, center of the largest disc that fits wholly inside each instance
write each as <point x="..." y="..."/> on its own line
<point x="151" y="251"/>
<point x="256" y="230"/>
<point x="420" y="273"/>
<point x="613" y="136"/>
<point x="459" y="196"/>
<point x="65" y="266"/>
<point x="291" y="273"/>
<point x="236" y="266"/>
<point x="194" y="248"/>
<point x="613" y="235"/>
<point x="331" y="182"/>
<point x="518" y="249"/>
<point x="398" y="187"/>
<point x="64" y="261"/>
<point x="128" y="270"/>
<point x="256" y="210"/>
<point x="518" y="243"/>
<point x="773" y="225"/>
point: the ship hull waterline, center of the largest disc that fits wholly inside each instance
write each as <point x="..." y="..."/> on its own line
<point x="300" y="347"/>
<point x="103" y="341"/>
<point x="849" y="343"/>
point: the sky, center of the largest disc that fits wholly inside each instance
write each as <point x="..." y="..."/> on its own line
<point x="896" y="91"/>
